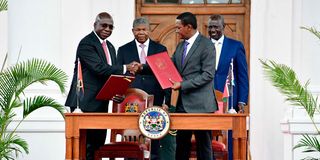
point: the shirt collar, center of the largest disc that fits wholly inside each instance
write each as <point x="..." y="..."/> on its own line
<point x="193" y="38"/>
<point x="99" y="37"/>
<point x="146" y="43"/>
<point x="220" y="40"/>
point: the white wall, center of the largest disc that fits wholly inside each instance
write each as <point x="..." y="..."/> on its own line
<point x="271" y="28"/>
<point x="51" y="30"/>
<point x="3" y="36"/>
<point x="275" y="35"/>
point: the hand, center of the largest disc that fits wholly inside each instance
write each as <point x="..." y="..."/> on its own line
<point x="241" y="107"/>
<point x="118" y="98"/>
<point x="176" y="85"/>
<point x="165" y="107"/>
<point x="134" y="67"/>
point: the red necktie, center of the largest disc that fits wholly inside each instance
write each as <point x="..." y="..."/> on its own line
<point x="104" y="46"/>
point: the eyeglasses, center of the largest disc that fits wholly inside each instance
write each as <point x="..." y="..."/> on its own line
<point x="107" y="25"/>
<point x="210" y="27"/>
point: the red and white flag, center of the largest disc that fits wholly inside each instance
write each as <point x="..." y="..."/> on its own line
<point x="80" y="86"/>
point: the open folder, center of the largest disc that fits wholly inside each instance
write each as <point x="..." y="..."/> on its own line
<point x="164" y="69"/>
<point x="115" y="85"/>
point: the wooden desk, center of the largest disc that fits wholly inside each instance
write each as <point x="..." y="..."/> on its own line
<point x="77" y="123"/>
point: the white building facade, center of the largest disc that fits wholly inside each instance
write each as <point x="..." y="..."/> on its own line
<point x="52" y="29"/>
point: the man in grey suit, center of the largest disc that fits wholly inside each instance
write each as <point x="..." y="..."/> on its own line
<point x="195" y="60"/>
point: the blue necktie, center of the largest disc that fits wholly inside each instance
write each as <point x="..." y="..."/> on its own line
<point x="184" y="54"/>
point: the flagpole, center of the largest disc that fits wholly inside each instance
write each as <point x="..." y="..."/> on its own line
<point x="232" y="110"/>
<point x="79" y="87"/>
<point x="77" y="110"/>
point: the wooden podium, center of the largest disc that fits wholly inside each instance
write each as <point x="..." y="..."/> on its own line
<point x="78" y="123"/>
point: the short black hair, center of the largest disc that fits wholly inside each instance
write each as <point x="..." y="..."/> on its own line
<point x="188" y="18"/>
<point x="217" y="17"/>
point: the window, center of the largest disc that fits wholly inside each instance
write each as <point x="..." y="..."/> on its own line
<point x="192" y="1"/>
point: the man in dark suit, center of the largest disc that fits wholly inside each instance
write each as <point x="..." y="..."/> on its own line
<point x="228" y="49"/>
<point x="195" y="60"/>
<point x="137" y="50"/>
<point x="97" y="56"/>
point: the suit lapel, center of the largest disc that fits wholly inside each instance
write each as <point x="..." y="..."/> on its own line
<point x="151" y="48"/>
<point x="191" y="51"/>
<point x="133" y="48"/>
<point x="100" y="50"/>
<point x="224" y="56"/>
<point x="112" y="53"/>
<point x="178" y="56"/>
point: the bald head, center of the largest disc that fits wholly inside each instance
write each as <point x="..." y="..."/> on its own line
<point x="103" y="25"/>
<point x="103" y="15"/>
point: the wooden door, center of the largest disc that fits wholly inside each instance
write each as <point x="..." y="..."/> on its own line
<point x="162" y="15"/>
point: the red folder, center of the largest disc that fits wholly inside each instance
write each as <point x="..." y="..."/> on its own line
<point x="164" y="69"/>
<point x="115" y="85"/>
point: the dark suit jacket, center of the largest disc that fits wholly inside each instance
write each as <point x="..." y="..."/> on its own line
<point x="197" y="93"/>
<point x="146" y="79"/>
<point x="95" y="71"/>
<point x="233" y="49"/>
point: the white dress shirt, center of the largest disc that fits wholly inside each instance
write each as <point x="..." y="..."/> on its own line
<point x="218" y="46"/>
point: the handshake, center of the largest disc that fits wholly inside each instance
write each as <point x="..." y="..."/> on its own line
<point x="134" y="67"/>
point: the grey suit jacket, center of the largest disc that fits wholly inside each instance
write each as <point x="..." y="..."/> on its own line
<point x="197" y="88"/>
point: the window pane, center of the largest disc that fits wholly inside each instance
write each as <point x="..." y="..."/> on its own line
<point x="192" y="2"/>
<point x="148" y="1"/>
<point x="224" y="1"/>
<point x="168" y="1"/>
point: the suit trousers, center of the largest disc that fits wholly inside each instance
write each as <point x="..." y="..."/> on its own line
<point x="167" y="147"/>
<point x="203" y="142"/>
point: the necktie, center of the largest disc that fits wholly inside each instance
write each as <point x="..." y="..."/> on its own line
<point x="218" y="52"/>
<point x="104" y="46"/>
<point x="142" y="54"/>
<point x="184" y="54"/>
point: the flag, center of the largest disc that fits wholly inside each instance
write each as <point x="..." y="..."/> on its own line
<point x="232" y="75"/>
<point x="80" y="86"/>
<point x="227" y="91"/>
<point x="229" y="84"/>
<point x="226" y="94"/>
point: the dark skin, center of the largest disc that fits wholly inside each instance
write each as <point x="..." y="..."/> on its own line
<point x="103" y="27"/>
<point x="215" y="31"/>
<point x="141" y="33"/>
<point x="184" y="32"/>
